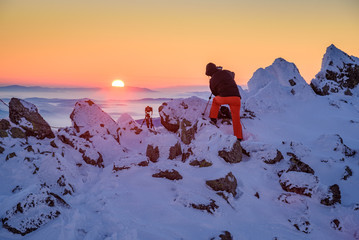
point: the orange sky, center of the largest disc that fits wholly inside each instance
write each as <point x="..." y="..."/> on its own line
<point x="166" y="43"/>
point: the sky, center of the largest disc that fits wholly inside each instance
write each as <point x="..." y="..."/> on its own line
<point x="161" y="43"/>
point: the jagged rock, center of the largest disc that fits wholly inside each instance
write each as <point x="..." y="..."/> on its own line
<point x="234" y="155"/>
<point x="33" y="212"/>
<point x="210" y="208"/>
<point x="53" y="144"/>
<point x="298" y="166"/>
<point x="338" y="74"/>
<point x="187" y="131"/>
<point x="17" y="133"/>
<point x="29" y="149"/>
<point x="348" y="173"/>
<point x="171" y="175"/>
<point x="89" y="120"/>
<point x="333" y="197"/>
<point x="152" y="153"/>
<point x="335" y="224"/>
<point x="171" y="125"/>
<point x="175" y="151"/>
<point x="224" y="236"/>
<point x="334" y="142"/>
<point x="4" y="124"/>
<point x="227" y="184"/>
<point x="10" y="155"/>
<point x="302" y="224"/>
<point x="26" y="115"/>
<point x="257" y="195"/>
<point x="274" y="160"/>
<point x="202" y="163"/>
<point x="298" y="182"/>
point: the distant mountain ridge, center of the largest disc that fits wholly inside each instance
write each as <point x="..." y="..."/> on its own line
<point x="19" y="88"/>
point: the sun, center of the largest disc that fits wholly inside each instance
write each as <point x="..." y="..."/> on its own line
<point x="118" y="83"/>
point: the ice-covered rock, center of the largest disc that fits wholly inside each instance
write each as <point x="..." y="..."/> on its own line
<point x="339" y="73"/>
<point x="173" y="112"/>
<point x="89" y="119"/>
<point x="26" y="115"/>
<point x="271" y="87"/>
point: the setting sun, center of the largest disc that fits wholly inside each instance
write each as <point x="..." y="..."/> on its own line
<point x="118" y="83"/>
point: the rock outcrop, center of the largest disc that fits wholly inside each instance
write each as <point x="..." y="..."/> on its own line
<point x="26" y="115"/>
<point x="339" y="73"/>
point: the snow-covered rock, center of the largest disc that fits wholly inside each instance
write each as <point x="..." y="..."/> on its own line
<point x="271" y="88"/>
<point x="339" y="73"/>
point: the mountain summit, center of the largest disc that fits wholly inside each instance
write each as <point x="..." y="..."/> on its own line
<point x="339" y="73"/>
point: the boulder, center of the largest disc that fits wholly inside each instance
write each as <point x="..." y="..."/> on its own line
<point x="170" y="175"/>
<point x="333" y="196"/>
<point x="233" y="155"/>
<point x="152" y="153"/>
<point x="272" y="159"/>
<point x="224" y="186"/>
<point x="173" y="112"/>
<point x="26" y="115"/>
<point x="90" y="120"/>
<point x="299" y="182"/>
<point x="33" y="212"/>
<point x="298" y="166"/>
<point x="4" y="124"/>
<point x="175" y="151"/>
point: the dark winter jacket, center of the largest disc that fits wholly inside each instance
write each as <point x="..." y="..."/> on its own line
<point x="222" y="84"/>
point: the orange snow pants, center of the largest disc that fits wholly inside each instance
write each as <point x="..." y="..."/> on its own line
<point x="235" y="106"/>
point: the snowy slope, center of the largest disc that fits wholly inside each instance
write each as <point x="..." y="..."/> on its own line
<point x="296" y="177"/>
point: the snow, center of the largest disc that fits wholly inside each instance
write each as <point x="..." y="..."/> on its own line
<point x="121" y="199"/>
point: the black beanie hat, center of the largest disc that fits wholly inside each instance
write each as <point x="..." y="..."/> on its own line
<point x="211" y="68"/>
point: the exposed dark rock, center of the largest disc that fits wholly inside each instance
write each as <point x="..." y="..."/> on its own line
<point x="27" y="117"/>
<point x="116" y="168"/>
<point x="224" y="236"/>
<point x="227" y="184"/>
<point x="170" y="124"/>
<point x="210" y="208"/>
<point x="348" y="92"/>
<point x="186" y="155"/>
<point x="53" y="144"/>
<point x="256" y="195"/>
<point x="333" y="197"/>
<point x="17" y="133"/>
<point x="152" y="153"/>
<point x="2" y="149"/>
<point x="4" y="124"/>
<point x="3" y="134"/>
<point x="202" y="163"/>
<point x="232" y="156"/>
<point x="297" y="165"/>
<point x="335" y="223"/>
<point x="143" y="164"/>
<point x="98" y="162"/>
<point x="16" y="189"/>
<point x="348" y="173"/>
<point x="175" y="151"/>
<point x="292" y="82"/>
<point x="10" y="155"/>
<point x="187" y="131"/>
<point x="86" y="135"/>
<point x="298" y="182"/>
<point x="171" y="175"/>
<point x="66" y="140"/>
<point x="302" y="224"/>
<point x="276" y="159"/>
<point x="29" y="149"/>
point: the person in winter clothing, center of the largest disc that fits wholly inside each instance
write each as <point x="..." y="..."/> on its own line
<point x="225" y="90"/>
